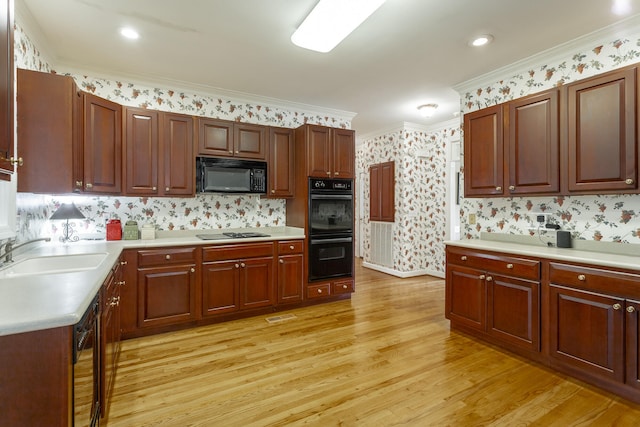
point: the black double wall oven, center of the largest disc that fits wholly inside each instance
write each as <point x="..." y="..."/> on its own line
<point x="330" y="228"/>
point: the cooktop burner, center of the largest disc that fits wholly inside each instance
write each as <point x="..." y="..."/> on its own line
<point x="229" y="234"/>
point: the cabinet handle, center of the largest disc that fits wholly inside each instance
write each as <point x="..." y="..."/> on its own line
<point x="512" y="187"/>
<point x="628" y="181"/>
<point x="123" y="262"/>
<point x="291" y="247"/>
<point x="167" y="189"/>
<point x="319" y="291"/>
<point x="19" y="161"/>
<point x="243" y="265"/>
<point x="582" y="277"/>
<point x="230" y="151"/>
<point x="345" y="287"/>
<point x="273" y="191"/>
<point x="121" y="283"/>
<point x="482" y="277"/>
<point x="281" y="261"/>
<point x="463" y="258"/>
<point x="89" y="185"/>
<point x="154" y="188"/>
<point x="337" y="173"/>
<point x="328" y="173"/>
<point x="193" y="270"/>
<point x="237" y="265"/>
<point x="167" y="256"/>
<point x="631" y="309"/>
<point x="489" y="278"/>
<point x="509" y="266"/>
<point x="498" y="188"/>
<point x="617" y="306"/>
<point x="79" y="184"/>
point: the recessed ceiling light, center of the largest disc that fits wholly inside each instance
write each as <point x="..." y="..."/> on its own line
<point x="331" y="21"/>
<point x="129" y="33"/>
<point x="621" y="7"/>
<point x="427" y="110"/>
<point x="481" y="40"/>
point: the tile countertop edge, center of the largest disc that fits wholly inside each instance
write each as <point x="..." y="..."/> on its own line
<point x="82" y="287"/>
<point x="603" y="259"/>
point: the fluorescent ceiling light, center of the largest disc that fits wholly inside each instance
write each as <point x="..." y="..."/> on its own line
<point x="621" y="7"/>
<point x="129" y="33"/>
<point x="331" y="21"/>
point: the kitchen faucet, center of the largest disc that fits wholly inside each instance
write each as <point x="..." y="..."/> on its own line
<point x="9" y="248"/>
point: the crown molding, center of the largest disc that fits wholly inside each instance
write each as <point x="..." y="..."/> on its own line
<point x="555" y="54"/>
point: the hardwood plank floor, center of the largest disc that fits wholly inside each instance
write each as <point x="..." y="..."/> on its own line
<point x="385" y="358"/>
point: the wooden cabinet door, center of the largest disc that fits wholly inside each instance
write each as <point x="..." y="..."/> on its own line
<point x="102" y="145"/>
<point x="110" y="336"/>
<point x="281" y="162"/>
<point x="343" y="155"/>
<point x="129" y="293"/>
<point x="587" y="331"/>
<point x="632" y="343"/>
<point x="256" y="282"/>
<point x="603" y="150"/>
<point x="6" y="89"/>
<point x="466" y="297"/>
<point x="166" y="295"/>
<point x="484" y="152"/>
<point x="176" y="140"/>
<point x="215" y="137"/>
<point x="220" y="287"/>
<point x="533" y="144"/>
<point x="318" y="151"/>
<point x="141" y="150"/>
<point x="382" y="192"/>
<point x="250" y="141"/>
<point x="513" y="313"/>
<point x="290" y="278"/>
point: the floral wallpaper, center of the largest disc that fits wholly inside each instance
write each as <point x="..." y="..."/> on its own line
<point x="420" y="224"/>
<point x="612" y="218"/>
<point x="200" y="212"/>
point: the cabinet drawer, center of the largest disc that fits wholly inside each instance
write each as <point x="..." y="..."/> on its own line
<point x="507" y="265"/>
<point x="318" y="291"/>
<point x="597" y="279"/>
<point x="159" y="257"/>
<point x="227" y="252"/>
<point x="342" y="287"/>
<point x="290" y="247"/>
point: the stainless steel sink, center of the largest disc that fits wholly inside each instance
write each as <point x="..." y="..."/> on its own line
<point x="53" y="264"/>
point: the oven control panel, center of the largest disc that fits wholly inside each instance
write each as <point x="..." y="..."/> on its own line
<point x="331" y="184"/>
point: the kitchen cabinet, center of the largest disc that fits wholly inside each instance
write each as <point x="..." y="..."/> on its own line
<point x="495" y="295"/>
<point x="54" y="134"/>
<point x="237" y="277"/>
<point x="102" y="145"/>
<point x="158" y="149"/>
<point x="602" y="127"/>
<point x="129" y="293"/>
<point x="110" y="333"/>
<point x="222" y="138"/>
<point x="167" y="286"/>
<point x="7" y="161"/>
<point x="335" y="287"/>
<point x="330" y="152"/>
<point x="290" y="271"/>
<point x="514" y="148"/>
<point x="382" y="192"/>
<point x="281" y="162"/>
<point x="593" y="316"/>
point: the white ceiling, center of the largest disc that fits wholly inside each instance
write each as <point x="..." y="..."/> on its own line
<point x="407" y="53"/>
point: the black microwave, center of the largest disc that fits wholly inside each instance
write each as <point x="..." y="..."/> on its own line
<point x="214" y="175"/>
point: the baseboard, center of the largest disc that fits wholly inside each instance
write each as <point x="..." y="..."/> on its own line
<point x="402" y="274"/>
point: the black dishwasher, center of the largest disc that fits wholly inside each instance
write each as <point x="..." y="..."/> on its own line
<point x="86" y="404"/>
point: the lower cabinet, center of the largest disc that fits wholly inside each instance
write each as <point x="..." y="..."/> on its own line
<point x="345" y="285"/>
<point x="290" y="271"/>
<point x="109" y="334"/>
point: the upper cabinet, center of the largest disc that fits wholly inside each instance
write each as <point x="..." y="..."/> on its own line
<point x="7" y="161"/>
<point x="281" y="162"/>
<point x="513" y="148"/>
<point x="222" y="138"/>
<point x="330" y="151"/>
<point x="602" y="126"/>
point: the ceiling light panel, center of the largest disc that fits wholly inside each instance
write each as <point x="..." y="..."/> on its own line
<point x="129" y="33"/>
<point x="331" y="21"/>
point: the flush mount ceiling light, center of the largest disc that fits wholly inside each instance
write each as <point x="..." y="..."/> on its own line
<point x="427" y="110"/>
<point x="331" y="21"/>
<point x="129" y="33"/>
<point x="481" y="40"/>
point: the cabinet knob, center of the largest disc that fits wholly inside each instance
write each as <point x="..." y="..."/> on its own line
<point x="498" y="188"/>
<point x="167" y="189"/>
<point x="617" y="306"/>
<point x="230" y="151"/>
<point x="237" y="265"/>
<point x="79" y="184"/>
<point x="291" y="247"/>
<point x="17" y="161"/>
<point x="345" y="287"/>
<point x="628" y="181"/>
<point x="582" y="277"/>
<point x="631" y="309"/>
<point x="167" y="256"/>
<point x="337" y="173"/>
<point x="512" y="187"/>
<point x="463" y="258"/>
<point x="281" y="261"/>
<point x="482" y="277"/>
<point x="154" y="188"/>
<point x="489" y="278"/>
<point x="243" y="265"/>
<point x="273" y="191"/>
<point x="123" y="262"/>
<point x="121" y="283"/>
<point x="319" y="291"/>
<point x="89" y="185"/>
<point x="237" y="152"/>
<point x="510" y="266"/>
<point x="328" y="173"/>
<point x="193" y="270"/>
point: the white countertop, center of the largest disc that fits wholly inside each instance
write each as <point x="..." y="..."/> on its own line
<point x="561" y="254"/>
<point x="43" y="301"/>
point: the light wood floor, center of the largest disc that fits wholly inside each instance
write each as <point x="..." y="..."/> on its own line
<point x="385" y="358"/>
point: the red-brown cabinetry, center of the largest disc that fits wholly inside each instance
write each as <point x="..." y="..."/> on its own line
<point x="222" y="138"/>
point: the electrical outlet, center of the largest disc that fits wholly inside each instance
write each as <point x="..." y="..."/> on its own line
<point x="472" y="218"/>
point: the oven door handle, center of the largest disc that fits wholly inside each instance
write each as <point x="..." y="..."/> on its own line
<point x="331" y="196"/>
<point x="332" y="240"/>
